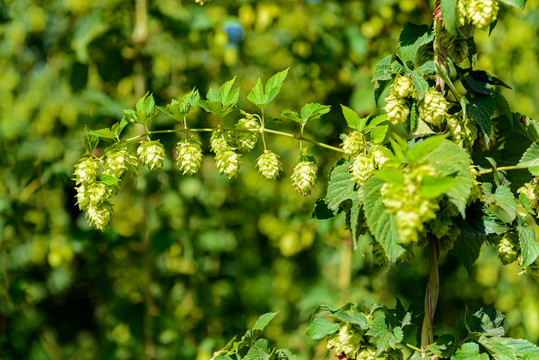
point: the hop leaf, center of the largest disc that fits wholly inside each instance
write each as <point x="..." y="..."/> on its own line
<point x="304" y="177"/>
<point x="396" y="109"/>
<point x="99" y="216"/>
<point x="246" y="140"/>
<point x="86" y="170"/>
<point x="269" y="165"/>
<point x="151" y="154"/>
<point x="189" y="156"/>
<point x="228" y="162"/>
<point x="362" y="169"/>
<point x="354" y="143"/>
<point x="433" y="107"/>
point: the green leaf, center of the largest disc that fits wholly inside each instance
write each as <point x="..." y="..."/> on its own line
<point x="381" y="223"/>
<point x="528" y="246"/>
<point x="117" y="128"/>
<point x="411" y="39"/>
<point x="263" y="320"/>
<point x="449" y="159"/>
<point x="488" y="321"/>
<point x="482" y="75"/>
<point x="518" y="3"/>
<point x="477" y="87"/>
<point x="432" y="187"/>
<point x="378" y="134"/>
<point x="449" y="8"/>
<point x="420" y="84"/>
<point x="90" y="141"/>
<point x="256" y="95"/>
<point x="107" y="179"/>
<point x="443" y="346"/>
<point x="481" y="108"/>
<point x="505" y="199"/>
<point x="384" y="337"/>
<point x="504" y="108"/>
<point x="376" y="121"/>
<point x="259" y="351"/>
<point x="313" y="111"/>
<point x="321" y="210"/>
<point x="212" y="95"/>
<point x="381" y="72"/>
<point x="352" y="119"/>
<point x="521" y="346"/>
<point x="469" y="351"/>
<point x="104" y="133"/>
<point x="320" y="327"/>
<point x="141" y="103"/>
<point x="421" y="149"/>
<point x="392" y="176"/>
<point x="341" y="185"/>
<point x="291" y="115"/>
<point x="500" y="351"/>
<point x="467" y="250"/>
<point x="530" y="158"/>
<point x="224" y="91"/>
<point x="274" y="84"/>
<point x="285" y="354"/>
<point x="428" y="68"/>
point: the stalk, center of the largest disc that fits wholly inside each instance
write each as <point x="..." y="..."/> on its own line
<point x="431" y="294"/>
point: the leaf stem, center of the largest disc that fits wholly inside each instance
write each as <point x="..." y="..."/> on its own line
<point x="413" y="347"/>
<point x="431" y="294"/>
<point x="502" y="168"/>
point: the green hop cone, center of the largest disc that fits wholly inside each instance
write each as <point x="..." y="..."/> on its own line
<point x="86" y="170"/>
<point x="482" y="13"/>
<point x="361" y="169"/>
<point x="486" y="143"/>
<point x="97" y="193"/>
<point x="378" y="156"/>
<point x="458" y="50"/>
<point x="531" y="191"/>
<point x="304" y="177"/>
<point x="445" y="39"/>
<point x="99" y="215"/>
<point x="246" y="140"/>
<point x="269" y="165"/>
<point x="508" y="248"/>
<point x="348" y="340"/>
<point x="402" y="86"/>
<point x="532" y="270"/>
<point x="220" y="141"/>
<point x="463" y="132"/>
<point x="464" y="25"/>
<point x="354" y="143"/>
<point x="228" y="162"/>
<point x="118" y="162"/>
<point x="433" y="107"/>
<point x="83" y="200"/>
<point x="151" y="154"/>
<point x="476" y="192"/>
<point x="396" y="109"/>
<point x="189" y="156"/>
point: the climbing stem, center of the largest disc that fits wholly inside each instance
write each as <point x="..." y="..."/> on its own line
<point x="502" y="168"/>
<point x="431" y="294"/>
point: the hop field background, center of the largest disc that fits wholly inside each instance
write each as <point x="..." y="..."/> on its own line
<point x="188" y="262"/>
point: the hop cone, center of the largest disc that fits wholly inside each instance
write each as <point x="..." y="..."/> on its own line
<point x="83" y="200"/>
<point x="117" y="162"/>
<point x="99" y="216"/>
<point x="476" y="192"/>
<point x="86" y="170"/>
<point x="246" y="140"/>
<point x="532" y="270"/>
<point x="220" y="141"/>
<point x="508" y="248"/>
<point x="97" y="193"/>
<point x="151" y="154"/>
<point x="433" y="107"/>
<point x="189" y="156"/>
<point x="458" y="50"/>
<point x="377" y="156"/>
<point x="348" y="340"/>
<point x="402" y="86"/>
<point x="228" y="162"/>
<point x="304" y="177"/>
<point x="353" y="143"/>
<point x="396" y="109"/>
<point x="531" y="191"/>
<point x="482" y="13"/>
<point x="269" y="165"/>
<point x="361" y="168"/>
<point x="463" y="131"/>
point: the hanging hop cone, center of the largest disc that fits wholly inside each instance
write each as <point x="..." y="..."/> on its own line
<point x="97" y="193"/>
<point x="433" y="107"/>
<point x="463" y="131"/>
<point x="269" y="165"/>
<point x="86" y="170"/>
<point x="531" y="191"/>
<point x="354" y="143"/>
<point x="99" y="216"/>
<point x="151" y="154"/>
<point x="396" y="109"/>
<point x="464" y="25"/>
<point x="377" y="155"/>
<point x="361" y="169"/>
<point x="220" y="141"/>
<point x="348" y="341"/>
<point x="304" y="177"/>
<point x="117" y="162"/>
<point x="228" y="162"/>
<point x="482" y="13"/>
<point x="508" y="248"/>
<point x="246" y="140"/>
<point x="476" y="192"/>
<point x="402" y="86"/>
<point x="458" y="50"/>
<point x="189" y="156"/>
<point x="532" y="270"/>
<point x="83" y="199"/>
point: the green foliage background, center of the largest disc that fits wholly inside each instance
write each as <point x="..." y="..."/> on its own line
<point x="188" y="262"/>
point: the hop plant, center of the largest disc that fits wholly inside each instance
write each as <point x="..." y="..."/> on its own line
<point x="228" y="162"/>
<point x="362" y="168"/>
<point x="486" y="143"/>
<point x="379" y="158"/>
<point x="433" y="107"/>
<point x="531" y="191"/>
<point x="402" y="86"/>
<point x="269" y="165"/>
<point x="476" y="192"/>
<point x="246" y="140"/>
<point x="304" y="177"/>
<point x="86" y="170"/>
<point x="463" y="132"/>
<point x="99" y="215"/>
<point x="508" y="248"/>
<point x="396" y="109"/>
<point x="118" y="162"/>
<point x="378" y="254"/>
<point x="189" y="156"/>
<point x="458" y="50"/>
<point x="348" y="340"/>
<point x="151" y="154"/>
<point x="482" y="13"/>
<point x="354" y="143"/>
<point x="97" y="193"/>
<point x="220" y="141"/>
<point x="532" y="270"/>
<point x="83" y="200"/>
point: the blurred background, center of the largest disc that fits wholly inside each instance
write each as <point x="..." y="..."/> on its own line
<point x="189" y="262"/>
